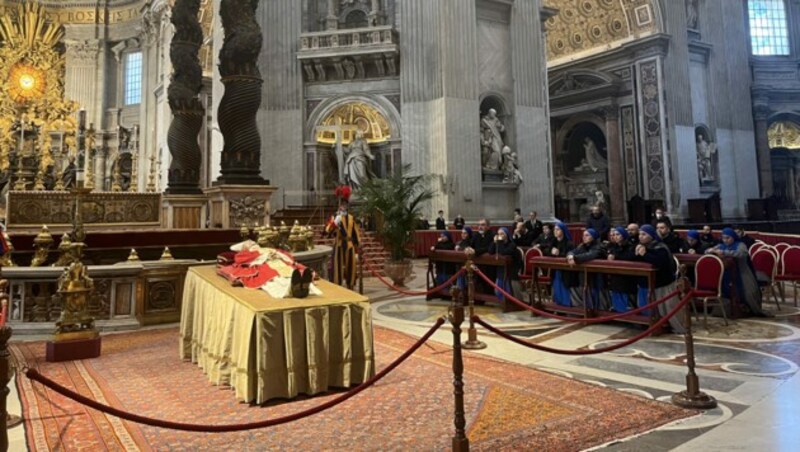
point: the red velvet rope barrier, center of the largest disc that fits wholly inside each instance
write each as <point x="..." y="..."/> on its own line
<point x="33" y="374"/>
<point x="623" y="344"/>
<point x="609" y="318"/>
<point x="409" y="293"/>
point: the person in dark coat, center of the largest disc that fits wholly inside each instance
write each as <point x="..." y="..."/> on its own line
<point x="707" y="237"/>
<point x="533" y="225"/>
<point x="656" y="253"/>
<point x="444" y="270"/>
<point x="423" y="224"/>
<point x="675" y="244"/>
<point x="660" y="215"/>
<point x="743" y="237"/>
<point x="464" y="244"/>
<point x="599" y="222"/>
<point x="521" y="236"/>
<point x="459" y="222"/>
<point x="546" y="240"/>
<point x="441" y="223"/>
<point x="633" y="234"/>
<point x="504" y="246"/>
<point x="590" y="249"/>
<point x="622" y="288"/>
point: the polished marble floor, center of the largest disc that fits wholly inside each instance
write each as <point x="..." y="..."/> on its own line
<point x="750" y="366"/>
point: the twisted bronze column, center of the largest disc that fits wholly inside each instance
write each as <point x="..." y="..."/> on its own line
<point x="187" y="111"/>
<point x="238" y="68"/>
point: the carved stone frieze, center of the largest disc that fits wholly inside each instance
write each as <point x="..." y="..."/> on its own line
<point x="27" y="208"/>
<point x="248" y="210"/>
<point x="82" y="52"/>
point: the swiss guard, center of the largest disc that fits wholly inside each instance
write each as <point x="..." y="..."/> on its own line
<point x="344" y="229"/>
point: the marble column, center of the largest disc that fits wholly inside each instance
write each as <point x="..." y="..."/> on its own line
<point x="82" y="77"/>
<point x="529" y="68"/>
<point x="187" y="111"/>
<point x="761" y="114"/>
<point x="238" y="67"/>
<point x="615" y="170"/>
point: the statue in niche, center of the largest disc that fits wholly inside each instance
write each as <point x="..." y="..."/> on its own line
<point x="357" y="162"/>
<point x="511" y="174"/>
<point x="600" y="199"/>
<point x="349" y="69"/>
<point x="592" y="160"/>
<point x="492" y="130"/>
<point x="705" y="160"/>
<point x="490" y="159"/>
<point x="692" y="13"/>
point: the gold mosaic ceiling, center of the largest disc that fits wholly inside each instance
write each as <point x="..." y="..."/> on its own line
<point x="585" y="27"/>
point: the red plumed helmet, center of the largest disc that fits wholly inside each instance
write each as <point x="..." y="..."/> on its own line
<point x="344" y="192"/>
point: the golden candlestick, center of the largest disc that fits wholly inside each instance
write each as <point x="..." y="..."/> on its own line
<point x="151" y="178"/>
<point x="134" y="186"/>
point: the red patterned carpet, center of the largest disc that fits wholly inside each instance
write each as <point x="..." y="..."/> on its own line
<point x="508" y="406"/>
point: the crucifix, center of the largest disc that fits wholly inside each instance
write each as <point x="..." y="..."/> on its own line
<point x="339" y="131"/>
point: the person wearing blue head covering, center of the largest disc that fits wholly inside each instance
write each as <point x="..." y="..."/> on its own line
<point x="694" y="242"/>
<point x="464" y="244"/>
<point x="744" y="275"/>
<point x="504" y="246"/>
<point x="622" y="288"/>
<point x="444" y="270"/>
<point x="656" y="253"/>
<point x="562" y="280"/>
<point x="588" y="250"/>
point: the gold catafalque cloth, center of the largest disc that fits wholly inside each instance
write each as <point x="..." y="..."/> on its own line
<point x="265" y="347"/>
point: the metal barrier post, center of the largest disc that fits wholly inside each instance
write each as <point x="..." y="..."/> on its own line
<point x="361" y="273"/>
<point x="472" y="333"/>
<point x="692" y="397"/>
<point x="460" y="440"/>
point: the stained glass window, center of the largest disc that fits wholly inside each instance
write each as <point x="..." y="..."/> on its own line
<point x="768" y="27"/>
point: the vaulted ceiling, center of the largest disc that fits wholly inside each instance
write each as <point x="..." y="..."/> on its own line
<point x="587" y="27"/>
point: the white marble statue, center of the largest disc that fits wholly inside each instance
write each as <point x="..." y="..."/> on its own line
<point x="691" y="14"/>
<point x="357" y="162"/>
<point x="594" y="160"/>
<point x="492" y="130"/>
<point x="490" y="159"/>
<point x="705" y="159"/>
<point x="511" y="174"/>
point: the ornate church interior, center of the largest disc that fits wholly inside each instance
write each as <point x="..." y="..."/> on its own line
<point x="400" y="224"/>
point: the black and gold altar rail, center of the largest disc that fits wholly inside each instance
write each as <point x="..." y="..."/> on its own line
<point x="31" y="209"/>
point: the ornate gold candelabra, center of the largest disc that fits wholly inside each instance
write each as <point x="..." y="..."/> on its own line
<point x="134" y="186"/>
<point x="151" y="178"/>
<point x="74" y="287"/>
<point x="42" y="243"/>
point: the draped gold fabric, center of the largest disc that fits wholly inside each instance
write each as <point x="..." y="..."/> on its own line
<point x="265" y="347"/>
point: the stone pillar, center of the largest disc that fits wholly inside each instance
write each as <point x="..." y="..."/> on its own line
<point x="529" y="66"/>
<point x="81" y="78"/>
<point x="760" y="114"/>
<point x="615" y="173"/>
<point x="188" y="113"/>
<point x="238" y="67"/>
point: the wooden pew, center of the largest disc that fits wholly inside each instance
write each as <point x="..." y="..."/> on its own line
<point x="459" y="258"/>
<point x="626" y="268"/>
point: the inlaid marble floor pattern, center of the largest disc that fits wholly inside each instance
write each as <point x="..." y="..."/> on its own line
<point x="750" y="366"/>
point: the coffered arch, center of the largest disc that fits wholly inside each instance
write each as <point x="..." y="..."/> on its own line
<point x="587" y="27"/>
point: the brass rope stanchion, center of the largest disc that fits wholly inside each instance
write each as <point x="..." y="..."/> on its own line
<point x="472" y="333"/>
<point x="692" y="397"/>
<point x="460" y="440"/>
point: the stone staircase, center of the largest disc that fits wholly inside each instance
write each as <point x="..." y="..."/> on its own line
<point x="374" y="251"/>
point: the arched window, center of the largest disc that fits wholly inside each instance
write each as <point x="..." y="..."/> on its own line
<point x="768" y="27"/>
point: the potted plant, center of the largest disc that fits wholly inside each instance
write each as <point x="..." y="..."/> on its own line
<point x="395" y="203"/>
